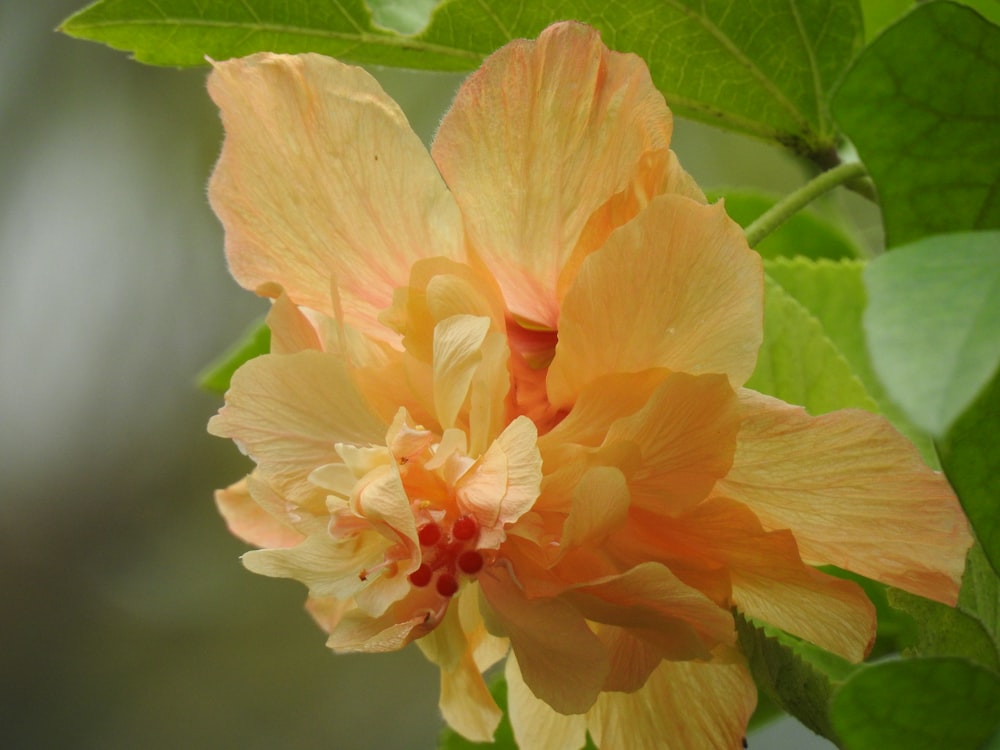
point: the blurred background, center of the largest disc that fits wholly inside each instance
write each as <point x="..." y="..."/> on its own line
<point x="127" y="619"/>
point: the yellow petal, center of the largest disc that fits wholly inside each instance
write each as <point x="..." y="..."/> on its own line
<point x="853" y="491"/>
<point x="320" y="176"/>
<point x="683" y="705"/>
<point x="633" y="660"/>
<point x="288" y="411"/>
<point x="538" y="139"/>
<point x="536" y="725"/>
<point x="562" y="661"/>
<point x="457" y="344"/>
<point x="676" y="288"/>
<point x="465" y="702"/>
<point x="600" y="505"/>
<point x="252" y="522"/>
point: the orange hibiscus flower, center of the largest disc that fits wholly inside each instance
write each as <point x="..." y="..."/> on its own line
<point x="503" y="415"/>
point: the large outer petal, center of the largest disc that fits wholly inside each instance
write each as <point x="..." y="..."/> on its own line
<point x="538" y="139"/>
<point x="853" y="491"/>
<point x="536" y="726"/>
<point x="321" y="176"/>
<point x="769" y="580"/>
<point x="683" y="705"/>
<point x="287" y="412"/>
<point x="677" y="287"/>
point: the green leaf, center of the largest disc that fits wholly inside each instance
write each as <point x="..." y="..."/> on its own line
<point x="799" y="363"/>
<point x="804" y="234"/>
<point x="254" y="341"/>
<point x="970" y="455"/>
<point x="933" y="323"/>
<point x="880" y="13"/>
<point x="764" y="68"/>
<point x="980" y="594"/>
<point x="504" y="737"/>
<point x="797" y="676"/>
<point x="922" y="106"/>
<point x="918" y="703"/>
<point x="946" y="631"/>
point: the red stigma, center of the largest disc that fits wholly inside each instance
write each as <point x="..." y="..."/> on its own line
<point x="446" y="584"/>
<point x="464" y="528"/>
<point x="470" y="562"/>
<point x="429" y="534"/>
<point x="422" y="576"/>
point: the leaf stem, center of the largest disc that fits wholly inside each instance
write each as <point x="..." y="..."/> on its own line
<point x="792" y="203"/>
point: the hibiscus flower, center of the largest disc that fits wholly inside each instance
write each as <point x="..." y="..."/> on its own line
<point x="504" y="416"/>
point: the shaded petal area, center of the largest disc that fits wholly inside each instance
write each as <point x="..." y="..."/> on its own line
<point x="321" y="176"/>
<point x="683" y="705"/>
<point x="769" y="580"/>
<point x="676" y="288"/>
<point x="562" y="661"/>
<point x="853" y="491"/>
<point x="538" y="139"/>
<point x="536" y="726"/>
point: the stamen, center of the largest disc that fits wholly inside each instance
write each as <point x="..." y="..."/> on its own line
<point x="421" y="576"/>
<point x="470" y="562"/>
<point x="446" y="584"/>
<point x="464" y="528"/>
<point x="429" y="534"/>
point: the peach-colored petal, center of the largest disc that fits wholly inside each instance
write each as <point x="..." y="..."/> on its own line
<point x="538" y="139"/>
<point x="769" y="580"/>
<point x="853" y="491"/>
<point x="600" y="506"/>
<point x="655" y="606"/>
<point x="291" y="330"/>
<point x="633" y="659"/>
<point x="536" y="726"/>
<point x="562" y="661"/>
<point x="406" y="620"/>
<point x="252" y="522"/>
<point x="320" y="175"/>
<point x="288" y="411"/>
<point x="504" y="483"/>
<point x="465" y="703"/>
<point x="685" y="438"/>
<point x="683" y="705"/>
<point x="677" y="288"/>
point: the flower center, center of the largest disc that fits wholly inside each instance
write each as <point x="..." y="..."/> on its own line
<point x="448" y="554"/>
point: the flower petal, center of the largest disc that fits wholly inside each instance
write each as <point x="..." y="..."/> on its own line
<point x="538" y="139"/>
<point x="458" y="342"/>
<point x="536" y="726"/>
<point x="465" y="702"/>
<point x="288" y="411"/>
<point x="704" y="705"/>
<point x="653" y="604"/>
<point x="769" y="580"/>
<point x="320" y="175"/>
<point x="504" y="483"/>
<point x="677" y="288"/>
<point x="252" y="522"/>
<point x="562" y="661"/>
<point x="685" y="438"/>
<point x="853" y="491"/>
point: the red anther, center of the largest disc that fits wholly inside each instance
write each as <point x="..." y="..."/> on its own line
<point x="446" y="584"/>
<point x="429" y="534"/>
<point x="421" y="576"/>
<point x="464" y="528"/>
<point x="470" y="562"/>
